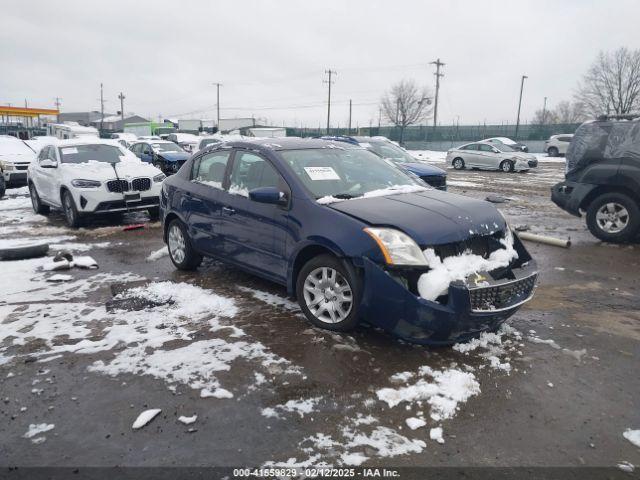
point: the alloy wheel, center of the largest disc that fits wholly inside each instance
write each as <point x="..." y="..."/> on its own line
<point x="177" y="244"/>
<point x="34" y="197"/>
<point x="328" y="295"/>
<point x="68" y="209"/>
<point x="612" y="217"/>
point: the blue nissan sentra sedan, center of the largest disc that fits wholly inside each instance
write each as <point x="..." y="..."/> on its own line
<point x="351" y="236"/>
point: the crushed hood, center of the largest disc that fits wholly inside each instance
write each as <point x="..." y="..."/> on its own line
<point x="431" y="217"/>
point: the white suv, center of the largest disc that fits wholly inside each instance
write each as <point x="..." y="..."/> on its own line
<point x="557" y="144"/>
<point x="92" y="176"/>
<point x="15" y="157"/>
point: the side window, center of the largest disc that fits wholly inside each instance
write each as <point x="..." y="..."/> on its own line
<point x="146" y="149"/>
<point x="252" y="171"/>
<point x="486" y="148"/>
<point x="43" y="153"/>
<point x="471" y="147"/>
<point x="209" y="169"/>
<point x="564" y="139"/>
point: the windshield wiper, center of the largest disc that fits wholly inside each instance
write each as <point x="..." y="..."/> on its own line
<point x="344" y="196"/>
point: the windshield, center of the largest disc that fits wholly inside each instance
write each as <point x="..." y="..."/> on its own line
<point x="344" y="173"/>
<point x="390" y="151"/>
<point x="95" y="152"/>
<point x="166" y="147"/>
<point x="504" y="148"/>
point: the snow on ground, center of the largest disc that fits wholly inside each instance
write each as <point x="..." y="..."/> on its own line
<point x="38" y="428"/>
<point x="300" y="406"/>
<point x="633" y="436"/>
<point x="271" y="299"/>
<point x="145" y="417"/>
<point x="158" y="254"/>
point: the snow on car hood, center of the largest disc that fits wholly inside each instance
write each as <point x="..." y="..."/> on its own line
<point x="93" y="170"/>
<point x="17" y="157"/>
<point x="430" y="217"/>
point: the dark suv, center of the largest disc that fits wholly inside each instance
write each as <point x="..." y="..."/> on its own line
<point x="603" y="177"/>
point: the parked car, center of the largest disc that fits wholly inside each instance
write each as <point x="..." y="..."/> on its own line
<point x="602" y="178"/>
<point x="557" y="144"/>
<point x="143" y="138"/>
<point x="497" y="156"/>
<point x="345" y="232"/>
<point x="163" y="154"/>
<point x="187" y="141"/>
<point x="507" y="141"/>
<point x="204" y="141"/>
<point x="15" y="157"/>
<point x="125" y="139"/>
<point x="86" y="177"/>
<point x="383" y="147"/>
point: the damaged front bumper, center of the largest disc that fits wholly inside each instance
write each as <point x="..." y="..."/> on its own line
<point x="470" y="308"/>
<point x="569" y="195"/>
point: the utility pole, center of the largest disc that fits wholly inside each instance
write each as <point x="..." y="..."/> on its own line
<point x="330" y="73"/>
<point x="218" y="85"/>
<point x="438" y="64"/>
<point x="519" y="105"/>
<point x="349" y="116"/>
<point x="544" y="110"/>
<point x="122" y="97"/>
<point x="57" y="104"/>
<point x="379" y="117"/>
<point x="101" y="108"/>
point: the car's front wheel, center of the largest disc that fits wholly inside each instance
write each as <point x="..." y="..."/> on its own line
<point x="553" y="152"/>
<point x="70" y="211"/>
<point x="507" y="166"/>
<point x="458" y="163"/>
<point x="181" y="252"/>
<point x="329" y="293"/>
<point x="614" y="217"/>
<point x="37" y="205"/>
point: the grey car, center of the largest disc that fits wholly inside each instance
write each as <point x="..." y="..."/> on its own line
<point x="488" y="156"/>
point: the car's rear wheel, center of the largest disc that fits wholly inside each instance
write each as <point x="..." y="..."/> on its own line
<point x="37" y="205"/>
<point x="181" y="252"/>
<point x="552" y="151"/>
<point x="329" y="293"/>
<point x="506" y="166"/>
<point x="3" y="186"/>
<point x="70" y="211"/>
<point x="458" y="163"/>
<point x="614" y="217"/>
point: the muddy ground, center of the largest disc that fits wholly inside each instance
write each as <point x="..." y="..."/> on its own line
<point x="569" y="392"/>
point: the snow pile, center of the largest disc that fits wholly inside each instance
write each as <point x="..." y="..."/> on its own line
<point x="145" y="417"/>
<point x="386" y="442"/>
<point x="158" y="254"/>
<point x="444" y="393"/>
<point x="382" y="192"/>
<point x="413" y="422"/>
<point x="436" y="434"/>
<point x="458" y="267"/>
<point x="633" y="436"/>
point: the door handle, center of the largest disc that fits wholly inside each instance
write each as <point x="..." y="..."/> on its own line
<point x="228" y="210"/>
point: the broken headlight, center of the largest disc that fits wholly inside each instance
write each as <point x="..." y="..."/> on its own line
<point x="397" y="247"/>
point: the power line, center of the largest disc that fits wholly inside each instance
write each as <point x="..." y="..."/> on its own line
<point x="330" y="72"/>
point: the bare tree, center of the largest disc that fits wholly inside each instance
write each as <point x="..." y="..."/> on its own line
<point x="570" y="112"/>
<point x="544" y="117"/>
<point x="612" y="83"/>
<point x="406" y="104"/>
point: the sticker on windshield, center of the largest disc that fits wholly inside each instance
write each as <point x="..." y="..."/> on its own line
<point x="69" y="150"/>
<point x="321" y="173"/>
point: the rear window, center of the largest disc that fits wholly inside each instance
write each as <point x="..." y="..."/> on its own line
<point x="595" y="141"/>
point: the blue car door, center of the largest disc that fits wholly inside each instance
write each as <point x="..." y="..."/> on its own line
<point x="146" y="154"/>
<point x="254" y="234"/>
<point x="203" y="207"/>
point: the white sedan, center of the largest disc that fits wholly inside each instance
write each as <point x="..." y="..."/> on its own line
<point x="91" y="176"/>
<point x="483" y="155"/>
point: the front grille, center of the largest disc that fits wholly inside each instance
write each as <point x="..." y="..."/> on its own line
<point x="22" y="167"/>
<point x="118" y="186"/>
<point x="486" y="299"/>
<point x="141" y="184"/>
<point x="481" y="245"/>
<point x="436" y="181"/>
<point x="137" y="184"/>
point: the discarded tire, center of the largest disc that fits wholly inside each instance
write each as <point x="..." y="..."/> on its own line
<point x="24" y="252"/>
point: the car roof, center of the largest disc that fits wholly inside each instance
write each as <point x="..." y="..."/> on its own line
<point x="283" y="144"/>
<point x="70" y="142"/>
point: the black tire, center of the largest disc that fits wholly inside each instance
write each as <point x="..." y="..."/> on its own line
<point x="458" y="163"/>
<point x="552" y="152"/>
<point x="3" y="185"/>
<point x="506" y="166"/>
<point x="347" y="276"/>
<point x="22" y="253"/>
<point x="190" y="260"/>
<point x="154" y="214"/>
<point x="632" y="222"/>
<point x="38" y="206"/>
<point x="71" y="214"/>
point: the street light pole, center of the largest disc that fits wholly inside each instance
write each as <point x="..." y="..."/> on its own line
<point x="519" y="105"/>
<point x="218" y="85"/>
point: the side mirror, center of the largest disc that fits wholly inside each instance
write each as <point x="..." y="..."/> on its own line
<point x="48" y="163"/>
<point x="269" y="195"/>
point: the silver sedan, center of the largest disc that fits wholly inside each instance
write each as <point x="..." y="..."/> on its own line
<point x="490" y="157"/>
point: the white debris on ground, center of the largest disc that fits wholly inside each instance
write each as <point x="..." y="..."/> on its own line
<point x="158" y="254"/>
<point x="436" y="434"/>
<point x="383" y="192"/>
<point x="458" y="267"/>
<point x="496" y="347"/>
<point x="38" y="428"/>
<point x="271" y="299"/>
<point x="633" y="436"/>
<point x="187" y="420"/>
<point x="302" y="407"/>
<point x="626" y="466"/>
<point x="145" y="417"/>
<point x="217" y="393"/>
<point x="386" y="442"/>
<point x="414" y="423"/>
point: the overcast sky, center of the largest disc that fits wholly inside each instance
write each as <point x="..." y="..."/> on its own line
<point x="271" y="56"/>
